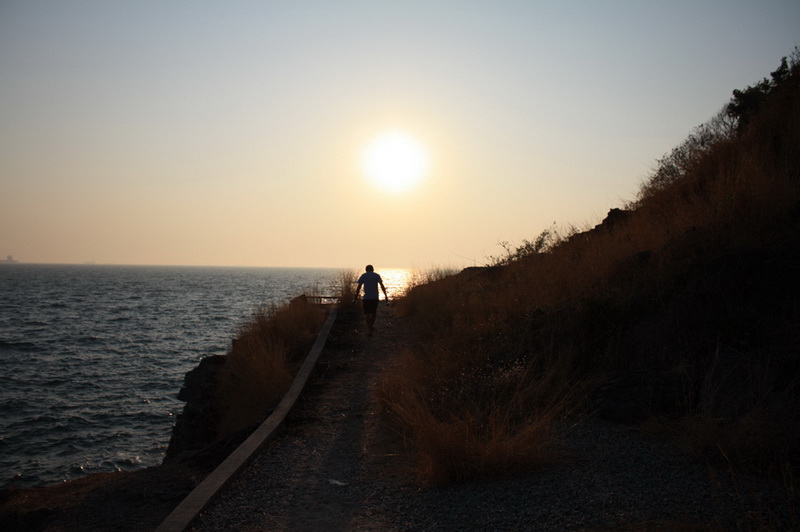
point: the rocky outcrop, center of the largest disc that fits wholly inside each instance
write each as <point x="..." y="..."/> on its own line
<point x="195" y="427"/>
<point x="613" y="219"/>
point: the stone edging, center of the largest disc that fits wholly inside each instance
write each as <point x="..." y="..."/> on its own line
<point x="193" y="504"/>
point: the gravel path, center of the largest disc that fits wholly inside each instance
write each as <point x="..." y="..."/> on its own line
<point x="332" y="468"/>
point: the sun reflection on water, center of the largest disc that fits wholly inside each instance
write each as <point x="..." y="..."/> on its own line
<point x="396" y="280"/>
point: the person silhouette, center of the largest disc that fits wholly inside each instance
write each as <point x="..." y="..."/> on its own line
<point x="370" y="281"/>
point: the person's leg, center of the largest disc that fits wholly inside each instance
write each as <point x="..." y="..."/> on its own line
<point x="370" y="309"/>
<point x="369" y="314"/>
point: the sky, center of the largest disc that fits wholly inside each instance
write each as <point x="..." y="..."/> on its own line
<point x="232" y="133"/>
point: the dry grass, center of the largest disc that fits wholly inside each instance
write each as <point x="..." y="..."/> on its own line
<point x="345" y="284"/>
<point x="265" y="355"/>
<point x="468" y="421"/>
<point x="260" y="366"/>
<point x="697" y="278"/>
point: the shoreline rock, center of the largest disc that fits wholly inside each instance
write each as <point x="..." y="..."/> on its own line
<point x="194" y="427"/>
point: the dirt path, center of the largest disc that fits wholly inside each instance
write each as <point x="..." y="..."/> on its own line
<point x="306" y="479"/>
<point x="334" y="468"/>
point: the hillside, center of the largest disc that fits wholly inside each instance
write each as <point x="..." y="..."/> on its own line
<point x="679" y="314"/>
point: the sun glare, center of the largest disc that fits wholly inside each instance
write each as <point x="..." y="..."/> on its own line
<point x="395" y="161"/>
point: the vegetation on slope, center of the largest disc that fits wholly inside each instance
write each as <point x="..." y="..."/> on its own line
<point x="262" y="362"/>
<point x="680" y="311"/>
<point x="265" y="357"/>
<point x="227" y="396"/>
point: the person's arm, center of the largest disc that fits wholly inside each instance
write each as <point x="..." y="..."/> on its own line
<point x="384" y="291"/>
<point x="358" y="289"/>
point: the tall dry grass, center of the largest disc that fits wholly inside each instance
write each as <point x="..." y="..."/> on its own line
<point x="470" y="420"/>
<point x="696" y="270"/>
<point x="262" y="361"/>
<point x="346" y="281"/>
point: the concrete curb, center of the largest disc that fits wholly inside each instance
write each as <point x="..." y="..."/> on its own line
<point x="194" y="503"/>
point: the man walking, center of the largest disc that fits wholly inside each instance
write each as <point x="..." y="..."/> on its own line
<point x="370" y="281"/>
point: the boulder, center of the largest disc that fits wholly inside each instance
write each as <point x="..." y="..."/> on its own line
<point x="195" y="427"/>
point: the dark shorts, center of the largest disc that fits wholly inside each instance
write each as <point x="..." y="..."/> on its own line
<point x="370" y="306"/>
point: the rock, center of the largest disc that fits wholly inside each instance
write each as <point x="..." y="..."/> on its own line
<point x="613" y="219"/>
<point x="195" y="427"/>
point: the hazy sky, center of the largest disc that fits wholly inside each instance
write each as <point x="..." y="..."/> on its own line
<point x="231" y="133"/>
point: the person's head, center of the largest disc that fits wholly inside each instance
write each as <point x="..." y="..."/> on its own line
<point x="370" y="268"/>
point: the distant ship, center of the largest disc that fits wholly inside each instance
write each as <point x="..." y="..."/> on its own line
<point x="9" y="260"/>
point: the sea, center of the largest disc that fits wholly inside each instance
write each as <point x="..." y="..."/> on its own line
<point x="92" y="357"/>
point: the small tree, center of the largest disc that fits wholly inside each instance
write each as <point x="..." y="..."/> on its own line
<point x="746" y="103"/>
<point x="732" y="120"/>
<point x="543" y="243"/>
<point x="684" y="157"/>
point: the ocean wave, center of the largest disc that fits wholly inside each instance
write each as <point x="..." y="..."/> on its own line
<point x="18" y="346"/>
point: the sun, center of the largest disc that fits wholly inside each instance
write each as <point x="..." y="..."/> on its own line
<point x="395" y="161"/>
